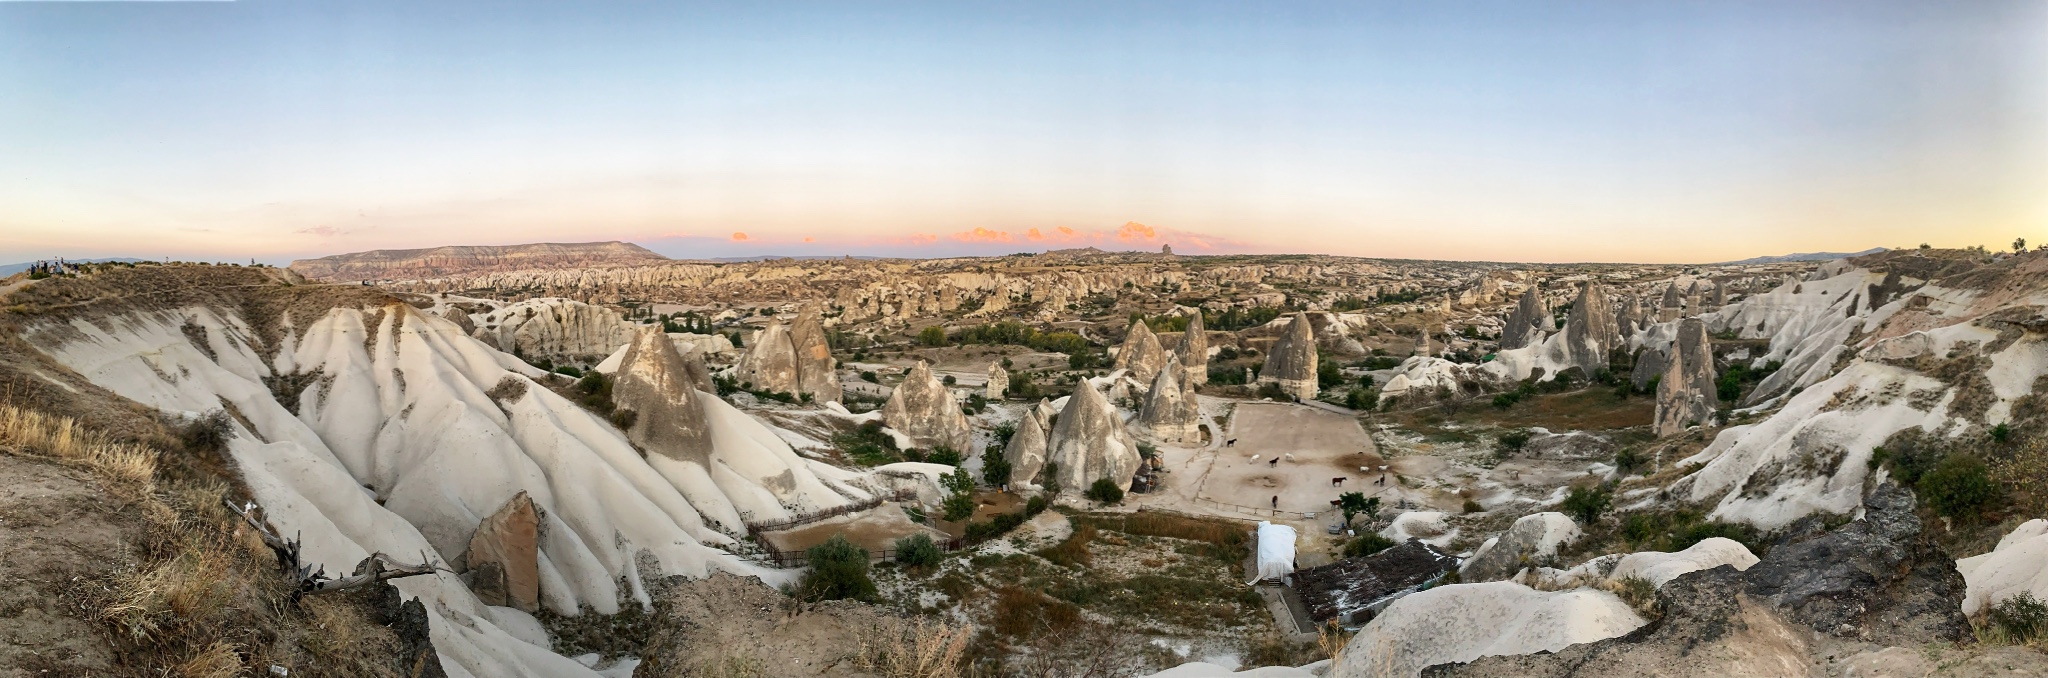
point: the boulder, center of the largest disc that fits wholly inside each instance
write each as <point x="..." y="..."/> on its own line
<point x="461" y="319"/>
<point x="504" y="554"/>
<point x="1141" y="353"/>
<point x="1687" y="394"/>
<point x="655" y="382"/>
<point x="1532" y="538"/>
<point x="1291" y="362"/>
<point x="817" y="373"/>
<point x="925" y="410"/>
<point x="1026" y="451"/>
<point x="770" y="361"/>
<point x="998" y="382"/>
<point x="1171" y="413"/>
<point x="1591" y="330"/>
<point x="1525" y="322"/>
<point x="1194" y="350"/>
<point x="1089" y="443"/>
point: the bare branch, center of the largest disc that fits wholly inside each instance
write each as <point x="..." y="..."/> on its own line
<point x="308" y="579"/>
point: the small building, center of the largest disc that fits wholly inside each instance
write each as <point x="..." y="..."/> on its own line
<point x="1353" y="590"/>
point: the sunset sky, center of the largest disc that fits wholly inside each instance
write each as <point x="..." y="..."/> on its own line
<point x="1511" y="131"/>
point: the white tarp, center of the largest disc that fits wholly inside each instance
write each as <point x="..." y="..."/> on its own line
<point x="1276" y="550"/>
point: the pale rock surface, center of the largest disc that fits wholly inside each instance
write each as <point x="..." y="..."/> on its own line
<point x="1525" y="322"/>
<point x="555" y="329"/>
<point x="1591" y="330"/>
<point x="1687" y="395"/>
<point x="1291" y="362"/>
<point x="653" y="381"/>
<point x="1533" y="537"/>
<point x="1659" y="568"/>
<point x="998" y="382"/>
<point x="1141" y="353"/>
<point x="1194" y="350"/>
<point x="1463" y="622"/>
<point x="1026" y="451"/>
<point x="2018" y="565"/>
<point x="924" y="409"/>
<point x="817" y="372"/>
<point x="1089" y="442"/>
<point x="1171" y="412"/>
<point x="770" y="361"/>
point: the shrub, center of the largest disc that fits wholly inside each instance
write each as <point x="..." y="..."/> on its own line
<point x="1036" y="506"/>
<point x="1473" y="507"/>
<point x="917" y="550"/>
<point x="1628" y="460"/>
<point x="1073" y="551"/>
<point x="1513" y="441"/>
<point x="1361" y="399"/>
<point x="949" y="380"/>
<point x="1367" y="544"/>
<point x="869" y="376"/>
<point x="943" y="455"/>
<point x="1587" y="503"/>
<point x="932" y="336"/>
<point x="839" y="571"/>
<point x="1354" y="503"/>
<point x="1272" y="390"/>
<point x="1959" y="487"/>
<point x="2022" y="617"/>
<point x="995" y="470"/>
<point x="1051" y="472"/>
<point x="208" y="433"/>
<point x="1506" y="400"/>
<point x="2001" y="433"/>
<point x="1105" y="490"/>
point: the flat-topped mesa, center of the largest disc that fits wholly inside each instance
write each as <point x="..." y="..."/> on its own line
<point x="1291" y="362"/>
<point x="925" y="410"/>
<point x="1194" y="350"/>
<point x="1591" y="330"/>
<point x="1171" y="413"/>
<point x="1686" y="393"/>
<point x="457" y="260"/>
<point x="817" y="373"/>
<point x="1525" y="322"/>
<point x="1089" y="443"/>
<point x="1026" y="451"/>
<point x="1672" y="307"/>
<point x="654" y="382"/>
<point x="1141" y="353"/>
<point x="998" y="382"/>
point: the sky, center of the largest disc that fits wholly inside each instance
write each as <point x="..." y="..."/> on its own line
<point x="1505" y="131"/>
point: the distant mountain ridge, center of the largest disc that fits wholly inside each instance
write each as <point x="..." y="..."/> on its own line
<point x="466" y="259"/>
<point x="11" y="269"/>
<point x="1803" y="256"/>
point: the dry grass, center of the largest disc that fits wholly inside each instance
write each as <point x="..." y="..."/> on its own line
<point x="219" y="660"/>
<point x="30" y="433"/>
<point x="1074" y="551"/>
<point x="895" y="648"/>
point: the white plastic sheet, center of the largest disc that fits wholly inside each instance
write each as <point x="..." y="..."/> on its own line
<point x="1276" y="550"/>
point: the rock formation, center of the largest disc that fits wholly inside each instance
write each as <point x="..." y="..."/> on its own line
<point x="1291" y="362"/>
<point x="1141" y="353"/>
<point x="1524" y="322"/>
<point x="1171" y="413"/>
<point x="504" y="554"/>
<point x="1591" y="330"/>
<point x="1627" y="315"/>
<point x="998" y="382"/>
<point x="817" y="372"/>
<point x="554" y="329"/>
<point x="1686" y="395"/>
<point x="461" y="260"/>
<point x="1026" y="451"/>
<point x="1194" y="350"/>
<point x="925" y="410"/>
<point x="1089" y="443"/>
<point x="1671" y="308"/>
<point x="654" y="382"/>
<point x="1533" y="537"/>
<point x="770" y="361"/>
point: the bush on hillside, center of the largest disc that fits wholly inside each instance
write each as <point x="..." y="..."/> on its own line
<point x="1105" y="490"/>
<point x="917" y="550"/>
<point x="839" y="571"/>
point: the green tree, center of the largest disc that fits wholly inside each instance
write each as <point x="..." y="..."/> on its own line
<point x="1959" y="487"/>
<point x="995" y="470"/>
<point x="1367" y="544"/>
<point x="932" y="336"/>
<point x="839" y="571"/>
<point x="917" y="550"/>
<point x="1354" y="503"/>
<point x="1587" y="503"/>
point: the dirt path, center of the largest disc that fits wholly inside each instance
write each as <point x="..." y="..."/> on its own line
<point x="57" y="529"/>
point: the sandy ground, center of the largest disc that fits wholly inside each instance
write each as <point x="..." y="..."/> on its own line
<point x="57" y="528"/>
<point x="1324" y="445"/>
<point x="875" y="529"/>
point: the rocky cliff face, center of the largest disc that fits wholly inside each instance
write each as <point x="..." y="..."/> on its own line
<point x="1291" y="362"/>
<point x="654" y="382"/>
<point x="468" y="260"/>
<point x="1171" y="413"/>
<point x="1686" y="394"/>
<point x="1141" y="353"/>
<point x="1194" y="350"/>
<point x="925" y="410"/>
<point x="555" y="329"/>
<point x="1089" y="443"/>
<point x="1524" y="322"/>
<point x="1591" y="330"/>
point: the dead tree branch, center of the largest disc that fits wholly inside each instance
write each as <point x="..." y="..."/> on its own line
<point x="375" y="568"/>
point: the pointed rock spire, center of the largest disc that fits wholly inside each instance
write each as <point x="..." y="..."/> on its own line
<point x="1194" y="350"/>
<point x="1591" y="330"/>
<point x="816" y="371"/>
<point x="1170" y="412"/>
<point x="1291" y="362"/>
<point x="1686" y="393"/>
<point x="925" y="410"/>
<point x="1524" y="322"/>
<point x="1141" y="353"/>
<point x="998" y="382"/>
<point x="655" y="383"/>
<point x="770" y="361"/>
<point x="1026" y="451"/>
<point x="1089" y="443"/>
<point x="1672" y="307"/>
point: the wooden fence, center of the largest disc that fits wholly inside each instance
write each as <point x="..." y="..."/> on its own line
<point x="757" y="528"/>
<point x="796" y="559"/>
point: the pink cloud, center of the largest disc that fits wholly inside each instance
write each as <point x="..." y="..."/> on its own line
<point x="739" y="237"/>
<point x="983" y="235"/>
<point x="810" y="239"/>
<point x="1134" y="231"/>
